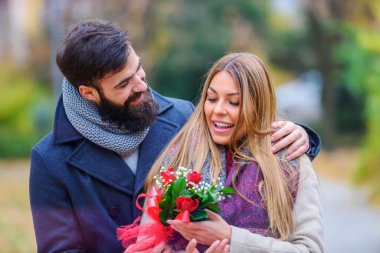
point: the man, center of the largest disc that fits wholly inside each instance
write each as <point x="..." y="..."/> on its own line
<point x="109" y="128"/>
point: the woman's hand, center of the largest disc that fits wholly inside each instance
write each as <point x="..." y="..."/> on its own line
<point x="205" y="232"/>
<point x="292" y="136"/>
<point x="216" y="247"/>
<point x="163" y="247"/>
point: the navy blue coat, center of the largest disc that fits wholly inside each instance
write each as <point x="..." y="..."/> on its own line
<point x="80" y="192"/>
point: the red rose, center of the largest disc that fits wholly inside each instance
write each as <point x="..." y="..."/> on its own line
<point x="168" y="176"/>
<point x="186" y="203"/>
<point x="194" y="177"/>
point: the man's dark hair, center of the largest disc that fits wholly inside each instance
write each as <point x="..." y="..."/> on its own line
<point x="91" y="51"/>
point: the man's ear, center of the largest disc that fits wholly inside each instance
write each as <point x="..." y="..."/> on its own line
<point x="89" y="93"/>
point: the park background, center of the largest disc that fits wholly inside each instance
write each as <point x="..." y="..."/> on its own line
<point x="324" y="59"/>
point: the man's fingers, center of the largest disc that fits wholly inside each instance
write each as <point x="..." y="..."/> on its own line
<point x="284" y="128"/>
<point x="286" y="141"/>
<point x="297" y="153"/>
<point x="294" y="141"/>
<point x="278" y="124"/>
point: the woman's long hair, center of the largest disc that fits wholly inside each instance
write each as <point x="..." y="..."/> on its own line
<point x="192" y="144"/>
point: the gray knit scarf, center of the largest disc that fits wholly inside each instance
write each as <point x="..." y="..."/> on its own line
<point x="84" y="116"/>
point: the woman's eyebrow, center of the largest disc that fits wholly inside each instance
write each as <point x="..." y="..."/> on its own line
<point x="228" y="94"/>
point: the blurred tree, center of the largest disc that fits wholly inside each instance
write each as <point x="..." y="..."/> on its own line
<point x="55" y="12"/>
<point x="186" y="37"/>
<point x="341" y="39"/>
<point x="315" y="47"/>
<point x="24" y="112"/>
<point x="3" y="27"/>
<point x="361" y="74"/>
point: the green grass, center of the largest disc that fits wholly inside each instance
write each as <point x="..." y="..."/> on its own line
<point x="16" y="226"/>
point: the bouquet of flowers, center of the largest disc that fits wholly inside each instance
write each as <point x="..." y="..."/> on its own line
<point x="182" y="195"/>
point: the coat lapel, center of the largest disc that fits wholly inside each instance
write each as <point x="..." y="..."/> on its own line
<point x="160" y="133"/>
<point x="104" y="165"/>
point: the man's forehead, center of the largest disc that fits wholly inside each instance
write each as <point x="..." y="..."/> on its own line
<point x="133" y="60"/>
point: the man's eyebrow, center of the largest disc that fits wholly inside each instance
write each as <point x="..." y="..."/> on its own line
<point x="228" y="94"/>
<point x="126" y="80"/>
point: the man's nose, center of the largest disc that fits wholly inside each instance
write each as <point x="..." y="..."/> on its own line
<point x="139" y="85"/>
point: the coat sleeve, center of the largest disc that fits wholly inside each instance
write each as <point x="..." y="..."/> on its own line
<point x="314" y="142"/>
<point x="307" y="222"/>
<point x="55" y="224"/>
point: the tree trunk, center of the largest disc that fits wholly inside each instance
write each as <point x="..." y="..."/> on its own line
<point x="55" y="12"/>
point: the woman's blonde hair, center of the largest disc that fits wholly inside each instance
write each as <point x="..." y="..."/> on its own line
<point x="192" y="144"/>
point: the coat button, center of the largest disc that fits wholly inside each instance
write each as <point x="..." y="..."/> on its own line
<point x="113" y="211"/>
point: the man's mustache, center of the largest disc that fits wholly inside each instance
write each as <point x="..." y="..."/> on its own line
<point x="133" y="97"/>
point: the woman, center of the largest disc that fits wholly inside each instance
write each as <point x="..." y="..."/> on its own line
<point x="276" y="207"/>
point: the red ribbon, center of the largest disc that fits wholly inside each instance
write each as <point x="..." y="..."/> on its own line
<point x="183" y="216"/>
<point x="153" y="209"/>
<point x="151" y="234"/>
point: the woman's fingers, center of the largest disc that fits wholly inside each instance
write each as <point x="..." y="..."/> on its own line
<point x="191" y="247"/>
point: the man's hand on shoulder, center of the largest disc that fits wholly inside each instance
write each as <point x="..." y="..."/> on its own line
<point x="291" y="136"/>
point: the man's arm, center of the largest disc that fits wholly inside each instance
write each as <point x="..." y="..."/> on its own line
<point x="55" y="224"/>
<point x="298" y="139"/>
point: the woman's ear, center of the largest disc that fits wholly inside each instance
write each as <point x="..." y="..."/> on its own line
<point x="89" y="93"/>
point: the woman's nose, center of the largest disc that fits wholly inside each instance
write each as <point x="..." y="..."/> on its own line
<point x="219" y="108"/>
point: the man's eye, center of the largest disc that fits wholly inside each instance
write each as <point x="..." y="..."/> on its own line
<point x="123" y="85"/>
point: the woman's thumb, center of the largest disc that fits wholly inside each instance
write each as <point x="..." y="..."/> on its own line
<point x="212" y="215"/>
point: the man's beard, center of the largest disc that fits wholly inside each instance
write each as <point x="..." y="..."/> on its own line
<point x="133" y="118"/>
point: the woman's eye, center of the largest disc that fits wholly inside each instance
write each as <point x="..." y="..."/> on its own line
<point x="234" y="103"/>
<point x="211" y="99"/>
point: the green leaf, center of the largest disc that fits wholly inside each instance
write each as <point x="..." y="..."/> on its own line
<point x="165" y="203"/>
<point x="179" y="187"/>
<point x="188" y="194"/>
<point x="227" y="190"/>
<point x="212" y="197"/>
<point x="213" y="207"/>
<point x="198" y="215"/>
<point x="164" y="216"/>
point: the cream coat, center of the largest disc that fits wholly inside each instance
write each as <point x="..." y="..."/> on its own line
<point x="307" y="217"/>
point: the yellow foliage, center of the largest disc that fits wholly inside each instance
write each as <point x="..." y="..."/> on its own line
<point x="369" y="40"/>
